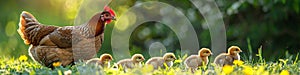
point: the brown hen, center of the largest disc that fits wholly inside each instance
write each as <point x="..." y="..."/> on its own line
<point x="67" y="44"/>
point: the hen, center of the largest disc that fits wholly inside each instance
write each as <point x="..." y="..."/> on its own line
<point x="49" y="44"/>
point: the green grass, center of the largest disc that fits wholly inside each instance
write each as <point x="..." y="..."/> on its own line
<point x="260" y="67"/>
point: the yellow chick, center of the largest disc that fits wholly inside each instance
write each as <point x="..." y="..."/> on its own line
<point x="156" y="62"/>
<point x="194" y="61"/>
<point x="228" y="58"/>
<point x="135" y="61"/>
<point x="103" y="61"/>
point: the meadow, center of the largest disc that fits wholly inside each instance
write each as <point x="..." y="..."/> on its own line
<point x="287" y="66"/>
<point x="270" y="27"/>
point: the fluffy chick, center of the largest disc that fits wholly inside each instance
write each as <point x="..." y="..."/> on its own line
<point x="135" y="61"/>
<point x="194" y="61"/>
<point x="157" y="62"/>
<point x="228" y="58"/>
<point x="103" y="61"/>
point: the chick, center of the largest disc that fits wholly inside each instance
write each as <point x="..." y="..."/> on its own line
<point x="135" y="61"/>
<point x="157" y="62"/>
<point x="228" y="58"/>
<point x="194" y="61"/>
<point x="103" y="61"/>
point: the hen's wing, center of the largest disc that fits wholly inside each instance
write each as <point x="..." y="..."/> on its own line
<point x="61" y="37"/>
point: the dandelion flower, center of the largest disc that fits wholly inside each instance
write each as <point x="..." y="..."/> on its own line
<point x="284" y="72"/>
<point x="248" y="70"/>
<point x="23" y="58"/>
<point x="171" y="72"/>
<point x="238" y="62"/>
<point x="260" y="70"/>
<point x="227" y="69"/>
<point x="55" y="64"/>
<point x="147" y="68"/>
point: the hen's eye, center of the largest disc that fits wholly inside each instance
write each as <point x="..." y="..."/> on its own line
<point x="106" y="15"/>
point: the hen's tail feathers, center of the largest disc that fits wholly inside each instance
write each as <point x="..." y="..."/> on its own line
<point x="26" y="21"/>
<point x="30" y="29"/>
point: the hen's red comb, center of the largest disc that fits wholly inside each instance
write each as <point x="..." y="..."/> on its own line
<point x="112" y="12"/>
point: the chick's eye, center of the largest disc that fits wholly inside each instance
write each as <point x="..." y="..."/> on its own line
<point x="236" y="49"/>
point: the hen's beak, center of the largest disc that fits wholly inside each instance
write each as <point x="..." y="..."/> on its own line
<point x="113" y="18"/>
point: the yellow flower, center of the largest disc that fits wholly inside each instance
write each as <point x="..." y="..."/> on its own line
<point x="284" y="72"/>
<point x="227" y="69"/>
<point x="248" y="70"/>
<point x="260" y="70"/>
<point x="265" y="73"/>
<point x="198" y="72"/>
<point x="171" y="72"/>
<point x="55" y="64"/>
<point x="147" y="68"/>
<point x="23" y="58"/>
<point x="238" y="62"/>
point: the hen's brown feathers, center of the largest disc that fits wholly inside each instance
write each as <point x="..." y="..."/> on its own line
<point x="31" y="31"/>
<point x="61" y="37"/>
<point x="46" y="55"/>
<point x="67" y="44"/>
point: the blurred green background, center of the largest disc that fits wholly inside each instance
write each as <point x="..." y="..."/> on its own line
<point x="272" y="24"/>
